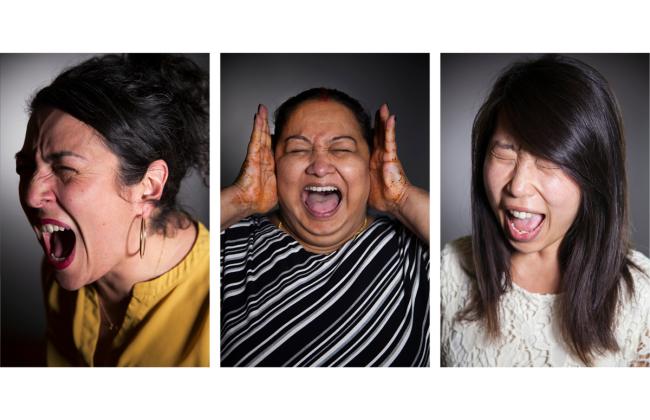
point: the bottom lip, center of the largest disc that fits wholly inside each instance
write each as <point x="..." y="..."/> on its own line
<point x="520" y="236"/>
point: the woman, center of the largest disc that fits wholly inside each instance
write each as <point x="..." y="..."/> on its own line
<point x="548" y="277"/>
<point x="319" y="282"/>
<point x="125" y="273"/>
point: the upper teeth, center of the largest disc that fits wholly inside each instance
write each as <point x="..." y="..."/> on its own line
<point x="320" y="189"/>
<point x="52" y="228"/>
<point x="521" y="214"/>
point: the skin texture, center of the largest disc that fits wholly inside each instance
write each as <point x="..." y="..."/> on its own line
<point x="389" y="185"/>
<point x="83" y="191"/>
<point x="256" y="184"/>
<point x="516" y="179"/>
<point x="321" y="145"/>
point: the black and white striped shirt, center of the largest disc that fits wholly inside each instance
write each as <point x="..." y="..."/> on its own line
<point x="366" y="304"/>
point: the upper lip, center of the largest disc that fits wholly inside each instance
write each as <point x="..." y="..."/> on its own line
<point x="48" y="221"/>
<point x="523" y="209"/>
<point x="322" y="185"/>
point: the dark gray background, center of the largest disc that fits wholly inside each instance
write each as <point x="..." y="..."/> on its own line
<point x="401" y="80"/>
<point x="23" y="315"/>
<point x="466" y="80"/>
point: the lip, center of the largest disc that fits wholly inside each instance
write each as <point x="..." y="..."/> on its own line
<point x="320" y="215"/>
<point x="517" y="235"/>
<point x="45" y="243"/>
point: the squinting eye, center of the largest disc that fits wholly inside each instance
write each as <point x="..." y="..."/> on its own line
<point x="546" y="164"/>
<point x="64" y="172"/>
<point x="504" y="151"/>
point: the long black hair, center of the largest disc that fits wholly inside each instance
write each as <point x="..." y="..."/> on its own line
<point x="145" y="107"/>
<point x="562" y="110"/>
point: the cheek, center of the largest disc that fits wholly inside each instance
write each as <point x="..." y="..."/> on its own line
<point x="288" y="172"/>
<point x="356" y="171"/>
<point x="494" y="180"/>
<point x="563" y="195"/>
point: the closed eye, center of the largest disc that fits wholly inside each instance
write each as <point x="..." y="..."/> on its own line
<point x="65" y="173"/>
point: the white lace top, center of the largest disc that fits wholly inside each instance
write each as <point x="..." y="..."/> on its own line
<point x="529" y="334"/>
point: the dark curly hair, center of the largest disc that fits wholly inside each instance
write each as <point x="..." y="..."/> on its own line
<point x="146" y="107"/>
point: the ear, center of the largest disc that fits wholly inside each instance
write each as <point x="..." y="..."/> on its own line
<point x="153" y="185"/>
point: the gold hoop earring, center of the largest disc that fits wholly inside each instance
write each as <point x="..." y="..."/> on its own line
<point x="143" y="237"/>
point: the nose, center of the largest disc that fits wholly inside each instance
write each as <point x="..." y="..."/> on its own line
<point x="523" y="178"/>
<point x="39" y="192"/>
<point x="320" y="165"/>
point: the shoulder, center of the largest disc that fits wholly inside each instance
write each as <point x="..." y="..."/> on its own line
<point x="246" y="227"/>
<point x="248" y="223"/>
<point x="456" y="258"/>
<point x="640" y="271"/>
<point x="202" y="242"/>
<point x="642" y="263"/>
<point x="456" y="270"/>
<point x="384" y="224"/>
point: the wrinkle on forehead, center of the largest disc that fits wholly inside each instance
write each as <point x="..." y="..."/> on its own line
<point x="319" y="121"/>
<point x="51" y="130"/>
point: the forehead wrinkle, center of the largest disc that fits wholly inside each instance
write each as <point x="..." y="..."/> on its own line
<point x="343" y="138"/>
<point x="67" y="136"/>
<point x="297" y="137"/>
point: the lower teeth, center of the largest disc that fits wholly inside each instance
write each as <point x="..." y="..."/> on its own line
<point x="55" y="258"/>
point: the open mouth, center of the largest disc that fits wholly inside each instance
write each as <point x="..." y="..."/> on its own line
<point x="59" y="243"/>
<point x="524" y="226"/>
<point x="321" y="200"/>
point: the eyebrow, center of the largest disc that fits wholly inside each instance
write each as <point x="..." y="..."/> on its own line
<point x="333" y="139"/>
<point x="60" y="155"/>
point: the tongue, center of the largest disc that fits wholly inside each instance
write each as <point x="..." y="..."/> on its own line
<point x="322" y="202"/>
<point x="527" y="225"/>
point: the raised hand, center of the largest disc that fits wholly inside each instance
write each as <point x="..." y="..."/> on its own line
<point x="390" y="190"/>
<point x="388" y="183"/>
<point x="255" y="189"/>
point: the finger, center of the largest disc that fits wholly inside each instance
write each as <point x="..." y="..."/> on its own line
<point x="390" y="146"/>
<point x="384" y="112"/>
<point x="266" y="132"/>
<point x="256" y="135"/>
<point x="264" y="116"/>
<point x="378" y="138"/>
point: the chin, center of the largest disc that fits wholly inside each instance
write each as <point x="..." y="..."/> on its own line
<point x="69" y="281"/>
<point x="322" y="228"/>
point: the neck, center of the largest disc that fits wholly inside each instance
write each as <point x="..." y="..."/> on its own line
<point x="161" y="255"/>
<point x="536" y="272"/>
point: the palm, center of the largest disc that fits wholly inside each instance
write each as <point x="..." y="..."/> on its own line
<point x="256" y="182"/>
<point x="388" y="182"/>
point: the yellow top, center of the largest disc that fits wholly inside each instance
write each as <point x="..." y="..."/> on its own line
<point x="167" y="322"/>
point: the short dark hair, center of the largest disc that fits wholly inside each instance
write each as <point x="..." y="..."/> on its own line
<point x="285" y="110"/>
<point x="145" y="107"/>
<point x="562" y="110"/>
